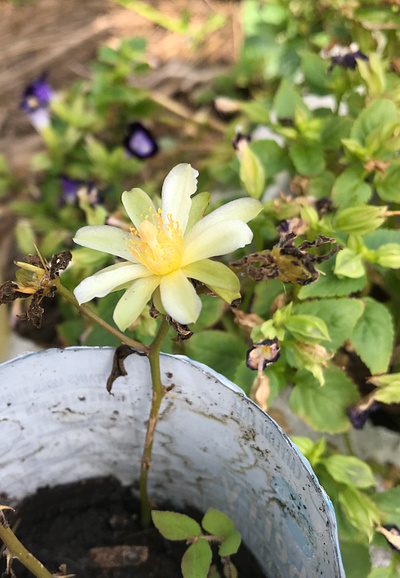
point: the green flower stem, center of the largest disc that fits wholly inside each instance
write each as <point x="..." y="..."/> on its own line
<point x="17" y="550"/>
<point x="158" y="394"/>
<point x="85" y="310"/>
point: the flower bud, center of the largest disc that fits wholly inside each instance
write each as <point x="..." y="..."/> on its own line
<point x="360" y="220"/>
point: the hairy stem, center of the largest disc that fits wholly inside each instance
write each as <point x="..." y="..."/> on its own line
<point x="85" y="310"/>
<point x="158" y="394"/>
<point x="17" y="550"/>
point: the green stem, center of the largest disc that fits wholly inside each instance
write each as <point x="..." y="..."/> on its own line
<point x="17" y="550"/>
<point x="85" y="310"/>
<point x="158" y="394"/>
<point x="347" y="441"/>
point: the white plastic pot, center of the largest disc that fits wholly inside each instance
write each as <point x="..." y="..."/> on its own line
<point x="213" y="448"/>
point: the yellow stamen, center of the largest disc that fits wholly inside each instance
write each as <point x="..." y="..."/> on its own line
<point x="156" y="244"/>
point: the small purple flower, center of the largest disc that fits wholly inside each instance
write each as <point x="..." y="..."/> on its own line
<point x="348" y="60"/>
<point x="263" y="354"/>
<point x="35" y="102"/>
<point x="358" y="413"/>
<point x="140" y="142"/>
<point x="392" y="535"/>
<point x="70" y="188"/>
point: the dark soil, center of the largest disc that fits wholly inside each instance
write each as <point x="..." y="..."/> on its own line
<point x="92" y="528"/>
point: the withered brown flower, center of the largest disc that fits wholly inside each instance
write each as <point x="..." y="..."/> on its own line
<point x="286" y="262"/>
<point x="36" y="279"/>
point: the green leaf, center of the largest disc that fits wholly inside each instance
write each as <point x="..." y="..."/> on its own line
<point x="286" y="100"/>
<point x="174" y="526"/>
<point x="349" y="470"/>
<point x="315" y="71"/>
<point x="389" y="505"/>
<point x="381" y="237"/>
<point x="211" y="311"/>
<point x="340" y="316"/>
<point x="230" y="545"/>
<point x="217" y="523"/>
<point x="350" y="189"/>
<point x="324" y="408"/>
<point x="252" y="173"/>
<point x="221" y="351"/>
<point x="321" y="185"/>
<point x="272" y="157"/>
<point x="372" y="336"/>
<point x="360" y="510"/>
<point x="307" y="328"/>
<point x="334" y="129"/>
<point x="328" y="285"/>
<point x="385" y="572"/>
<point x="349" y="264"/>
<point x="196" y="560"/>
<point x="387" y="186"/>
<point x="307" y="158"/>
<point x="356" y="559"/>
<point x="374" y="116"/>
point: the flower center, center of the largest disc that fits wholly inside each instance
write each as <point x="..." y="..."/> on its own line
<point x="156" y="244"/>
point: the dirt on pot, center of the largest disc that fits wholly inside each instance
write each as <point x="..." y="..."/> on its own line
<point x="91" y="529"/>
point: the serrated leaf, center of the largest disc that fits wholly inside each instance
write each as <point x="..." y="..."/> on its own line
<point x="350" y="189"/>
<point x="230" y="545"/>
<point x="328" y="285"/>
<point x="221" y="351"/>
<point x="174" y="526"/>
<point x="340" y="316"/>
<point x="324" y="407"/>
<point x="272" y="157"/>
<point x="307" y="158"/>
<point x="374" y="116"/>
<point x="196" y="560"/>
<point x="372" y="336"/>
<point x="387" y="185"/>
<point x="360" y="510"/>
<point x="286" y="100"/>
<point x="349" y="470"/>
<point x="381" y="237"/>
<point x="217" y="523"/>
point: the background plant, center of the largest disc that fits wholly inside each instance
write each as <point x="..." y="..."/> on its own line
<point x="331" y="140"/>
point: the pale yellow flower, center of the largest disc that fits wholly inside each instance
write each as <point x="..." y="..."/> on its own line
<point x="168" y="247"/>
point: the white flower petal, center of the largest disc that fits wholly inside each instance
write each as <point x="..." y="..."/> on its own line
<point x="240" y="209"/>
<point x="219" y="239"/>
<point x="137" y="204"/>
<point x="134" y="300"/>
<point x="106" y="239"/>
<point x="213" y="273"/>
<point x="179" y="185"/>
<point x="108" y="279"/>
<point x="179" y="298"/>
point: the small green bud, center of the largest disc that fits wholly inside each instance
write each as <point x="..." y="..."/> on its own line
<point x="307" y="328"/>
<point x="252" y="173"/>
<point x="360" y="220"/>
<point x="349" y="264"/>
<point x="388" y="255"/>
